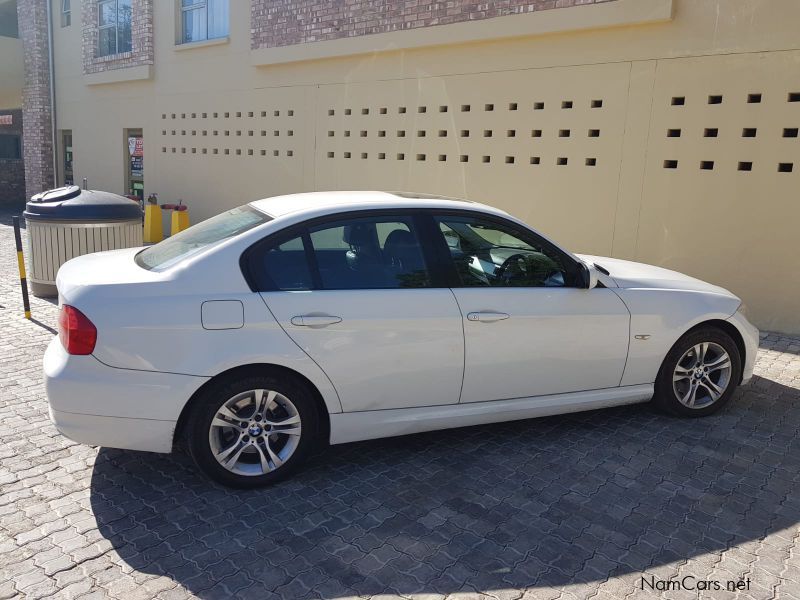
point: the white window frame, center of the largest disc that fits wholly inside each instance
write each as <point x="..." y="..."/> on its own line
<point x="114" y="26"/>
<point x="191" y="8"/>
<point x="66" y="13"/>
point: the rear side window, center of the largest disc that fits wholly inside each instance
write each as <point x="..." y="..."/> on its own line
<point x="212" y="231"/>
<point x="381" y="252"/>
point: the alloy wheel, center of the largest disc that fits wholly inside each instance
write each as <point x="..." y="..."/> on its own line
<point x="702" y="375"/>
<point x="255" y="432"/>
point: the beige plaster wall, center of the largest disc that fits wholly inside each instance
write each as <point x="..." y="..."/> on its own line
<point x="284" y="127"/>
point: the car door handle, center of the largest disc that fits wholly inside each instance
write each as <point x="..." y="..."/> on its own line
<point x="487" y="317"/>
<point x="315" y="320"/>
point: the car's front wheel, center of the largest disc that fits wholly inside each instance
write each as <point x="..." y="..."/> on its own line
<point x="252" y="431"/>
<point x="699" y="374"/>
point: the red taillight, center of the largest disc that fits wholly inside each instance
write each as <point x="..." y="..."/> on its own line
<point x="77" y="333"/>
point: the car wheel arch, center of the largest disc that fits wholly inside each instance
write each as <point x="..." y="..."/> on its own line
<point x="249" y="370"/>
<point x="727" y="327"/>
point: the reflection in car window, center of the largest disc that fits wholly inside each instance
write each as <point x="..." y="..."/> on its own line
<point x="369" y="253"/>
<point x="486" y="254"/>
<point x="198" y="237"/>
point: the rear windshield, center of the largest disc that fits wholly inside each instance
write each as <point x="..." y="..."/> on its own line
<point x="199" y="237"/>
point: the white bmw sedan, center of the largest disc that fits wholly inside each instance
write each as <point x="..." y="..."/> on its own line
<point x="341" y="316"/>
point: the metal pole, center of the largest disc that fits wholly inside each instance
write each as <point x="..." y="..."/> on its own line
<point x="21" y="263"/>
<point x="52" y="69"/>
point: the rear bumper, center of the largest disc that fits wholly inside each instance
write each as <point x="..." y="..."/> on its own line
<point x="95" y="404"/>
<point x="750" y="337"/>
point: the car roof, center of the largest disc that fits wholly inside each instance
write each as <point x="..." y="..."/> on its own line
<point x="341" y="201"/>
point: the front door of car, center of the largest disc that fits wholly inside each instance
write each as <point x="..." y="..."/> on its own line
<point x="356" y="295"/>
<point x="529" y="330"/>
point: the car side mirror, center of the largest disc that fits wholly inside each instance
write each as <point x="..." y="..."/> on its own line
<point x="588" y="276"/>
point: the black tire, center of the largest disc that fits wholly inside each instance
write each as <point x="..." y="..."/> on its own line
<point x="219" y="392"/>
<point x="666" y="398"/>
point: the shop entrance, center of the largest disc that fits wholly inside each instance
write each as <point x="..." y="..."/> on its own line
<point x="134" y="176"/>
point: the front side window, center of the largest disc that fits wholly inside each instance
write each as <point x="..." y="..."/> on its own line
<point x="114" y="24"/>
<point x="489" y="254"/>
<point x="359" y="253"/>
<point x="190" y="241"/>
<point x="203" y="20"/>
<point x="66" y="13"/>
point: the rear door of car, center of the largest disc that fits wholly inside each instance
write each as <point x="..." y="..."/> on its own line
<point x="357" y="293"/>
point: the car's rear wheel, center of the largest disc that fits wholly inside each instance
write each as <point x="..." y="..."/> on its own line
<point x="699" y="374"/>
<point x="252" y="431"/>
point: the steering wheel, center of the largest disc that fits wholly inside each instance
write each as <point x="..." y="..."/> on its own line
<point x="513" y="267"/>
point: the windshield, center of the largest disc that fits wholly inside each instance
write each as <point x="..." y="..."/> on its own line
<point x="198" y="237"/>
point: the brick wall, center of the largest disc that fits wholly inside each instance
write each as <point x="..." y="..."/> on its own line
<point x="286" y="22"/>
<point x="141" y="39"/>
<point x="37" y="141"/>
<point x="12" y="172"/>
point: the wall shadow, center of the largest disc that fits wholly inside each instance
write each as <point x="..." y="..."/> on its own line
<point x="543" y="502"/>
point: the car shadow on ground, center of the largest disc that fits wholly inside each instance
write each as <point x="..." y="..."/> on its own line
<point x="543" y="502"/>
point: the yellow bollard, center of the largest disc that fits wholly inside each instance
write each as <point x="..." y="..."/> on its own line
<point x="180" y="219"/>
<point x="153" y="231"/>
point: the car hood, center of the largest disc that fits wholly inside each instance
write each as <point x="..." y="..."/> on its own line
<point x="630" y="274"/>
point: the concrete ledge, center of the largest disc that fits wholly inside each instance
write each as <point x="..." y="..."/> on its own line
<point x="202" y="44"/>
<point x="119" y="75"/>
<point x="617" y="13"/>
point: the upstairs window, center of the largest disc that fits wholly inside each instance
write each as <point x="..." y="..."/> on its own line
<point x="66" y="13"/>
<point x="10" y="147"/>
<point x="203" y="20"/>
<point x="114" y="24"/>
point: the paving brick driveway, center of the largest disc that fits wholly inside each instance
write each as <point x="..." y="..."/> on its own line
<point x="580" y="506"/>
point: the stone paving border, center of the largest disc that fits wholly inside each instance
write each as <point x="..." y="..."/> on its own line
<point x="579" y="506"/>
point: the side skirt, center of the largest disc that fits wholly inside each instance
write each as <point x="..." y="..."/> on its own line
<point x="373" y="424"/>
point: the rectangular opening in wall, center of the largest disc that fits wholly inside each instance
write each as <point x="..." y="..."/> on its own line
<point x="790" y="132"/>
<point x="561" y="160"/>
<point x="364" y="155"/>
<point x="443" y="133"/>
<point x="422" y="109"/>
<point x="277" y="153"/>
<point x="535" y="160"/>
<point x="383" y="110"/>
<point x="509" y="160"/>
<point x="238" y="114"/>
<point x="538" y="106"/>
<point x="753" y="98"/>
<point x="465" y="108"/>
<point x="347" y="111"/>
<point x="249" y="152"/>
<point x="593" y="133"/>
<point x="563" y="133"/>
<point x="591" y="162"/>
<point x="536" y="133"/>
<point x="710" y="132"/>
<point x="597" y="104"/>
<point x="464" y="133"/>
<point x="364" y="111"/>
<point x="401" y="156"/>
<point x="511" y="133"/>
<point x="443" y="109"/>
<point x="706" y="165"/>
<point x="421" y="133"/>
<point x="363" y="133"/>
<point x="749" y="132"/>
<point x="486" y="159"/>
<point x="463" y="158"/>
<point x="347" y="155"/>
<point x="673" y="133"/>
<point x="715" y="99"/>
<point x="488" y="107"/>
<point x="512" y="106"/>
<point x="382" y="133"/>
<point x="442" y="157"/>
<point x="678" y="100"/>
<point x="401" y="110"/>
<point x="381" y="155"/>
<point x="401" y="133"/>
<point x="785" y="167"/>
<point x="331" y="112"/>
<point x="670" y="164"/>
<point x="290" y="113"/>
<point x="420" y="157"/>
<point x="249" y="114"/>
<point x="487" y="133"/>
<point x="566" y="104"/>
<point x="745" y="166"/>
<point x="330" y="154"/>
<point x="794" y="97"/>
<point x="347" y="133"/>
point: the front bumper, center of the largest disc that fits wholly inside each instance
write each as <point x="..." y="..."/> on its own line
<point x="95" y="404"/>
<point x="750" y="336"/>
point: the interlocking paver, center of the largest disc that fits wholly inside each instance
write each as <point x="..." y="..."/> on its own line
<point x="578" y="506"/>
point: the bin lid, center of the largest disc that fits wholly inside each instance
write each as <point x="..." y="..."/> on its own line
<point x="71" y="203"/>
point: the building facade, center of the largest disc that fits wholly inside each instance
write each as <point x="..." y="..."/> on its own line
<point x="664" y="131"/>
